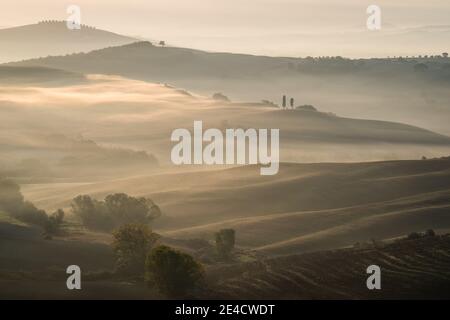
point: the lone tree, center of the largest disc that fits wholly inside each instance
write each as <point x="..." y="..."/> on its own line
<point x="445" y="54"/>
<point x="162" y="43"/>
<point x="220" y="97"/>
<point x="172" y="272"/>
<point x="58" y="216"/>
<point x="225" y="240"/>
<point x="53" y="224"/>
<point x="131" y="244"/>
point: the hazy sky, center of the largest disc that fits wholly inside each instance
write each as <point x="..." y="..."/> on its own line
<point x="230" y="25"/>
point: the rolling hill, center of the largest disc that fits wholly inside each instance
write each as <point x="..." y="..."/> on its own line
<point x="364" y="161"/>
<point x="38" y="76"/>
<point x="384" y="89"/>
<point x="48" y="38"/>
<point x="306" y="207"/>
<point x="410" y="269"/>
<point x="148" y="113"/>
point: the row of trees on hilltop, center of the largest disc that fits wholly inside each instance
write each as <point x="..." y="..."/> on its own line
<point x="84" y="26"/>
<point x="342" y="59"/>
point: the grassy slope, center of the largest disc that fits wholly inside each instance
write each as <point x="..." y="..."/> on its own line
<point x="305" y="207"/>
<point x="39" y="76"/>
<point x="410" y="269"/>
<point x="44" y="39"/>
<point x="22" y="248"/>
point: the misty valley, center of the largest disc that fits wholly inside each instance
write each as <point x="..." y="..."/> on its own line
<point x="221" y="151"/>
<point x="136" y="169"/>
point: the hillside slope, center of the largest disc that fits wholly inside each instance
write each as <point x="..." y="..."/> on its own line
<point x="133" y="114"/>
<point x="38" y="76"/>
<point x="383" y="89"/>
<point x="305" y="207"/>
<point x="53" y="38"/>
<point x="410" y="269"/>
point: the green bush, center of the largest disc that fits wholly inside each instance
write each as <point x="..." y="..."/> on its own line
<point x="172" y="272"/>
<point x="131" y="244"/>
<point x="225" y="240"/>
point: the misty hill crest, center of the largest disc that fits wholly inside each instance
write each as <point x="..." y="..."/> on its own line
<point x="52" y="37"/>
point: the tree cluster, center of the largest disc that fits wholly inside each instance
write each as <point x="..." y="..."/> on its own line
<point x="114" y="211"/>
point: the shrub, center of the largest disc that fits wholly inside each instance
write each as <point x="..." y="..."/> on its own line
<point x="172" y="272"/>
<point x="307" y="107"/>
<point x="131" y="244"/>
<point x="225" y="240"/>
<point x="220" y="97"/>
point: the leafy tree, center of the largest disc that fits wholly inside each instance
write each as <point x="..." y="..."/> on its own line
<point x="11" y="198"/>
<point x="445" y="54"/>
<point x="58" y="215"/>
<point x="92" y="213"/>
<point x="125" y="209"/>
<point x="53" y="224"/>
<point x="172" y="272"/>
<point x="131" y="244"/>
<point x="162" y="43"/>
<point x="12" y="201"/>
<point x="117" y="209"/>
<point x="28" y="213"/>
<point x="225" y="240"/>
